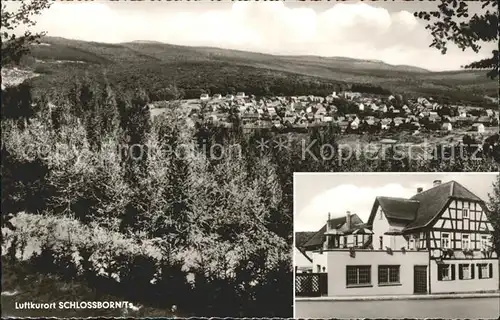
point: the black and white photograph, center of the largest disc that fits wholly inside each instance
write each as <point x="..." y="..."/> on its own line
<point x="392" y="245"/>
<point x="149" y="147"/>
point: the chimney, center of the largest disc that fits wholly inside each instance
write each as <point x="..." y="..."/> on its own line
<point x="348" y="220"/>
<point x="436" y="183"/>
<point x="420" y="189"/>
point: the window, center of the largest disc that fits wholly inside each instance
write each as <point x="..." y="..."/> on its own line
<point x="380" y="215"/>
<point x="381" y="242"/>
<point x="445" y="240"/>
<point x="358" y="275"/>
<point x="465" y="213"/>
<point x="465" y="241"/>
<point x="412" y="243"/>
<point x="388" y="275"/>
<point x="318" y="268"/>
<point x="466" y="271"/>
<point x="446" y="272"/>
<point x="485" y="270"/>
<point x="359" y="240"/>
<point x="485" y="242"/>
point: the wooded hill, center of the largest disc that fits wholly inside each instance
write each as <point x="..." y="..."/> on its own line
<point x="155" y="66"/>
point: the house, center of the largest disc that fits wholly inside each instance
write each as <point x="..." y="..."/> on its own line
<point x="446" y="126"/>
<point x="478" y="127"/>
<point x="249" y="117"/>
<point x="217" y="96"/>
<point x="230" y="97"/>
<point x="354" y="123"/>
<point x="384" y="123"/>
<point x="301" y="261"/>
<point x="336" y="233"/>
<point x="398" y="121"/>
<point x="204" y="97"/>
<point x="485" y="120"/>
<point x="436" y="242"/>
<point x="271" y="111"/>
<point x="240" y="95"/>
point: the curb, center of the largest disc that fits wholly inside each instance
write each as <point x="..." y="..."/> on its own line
<point x="389" y="298"/>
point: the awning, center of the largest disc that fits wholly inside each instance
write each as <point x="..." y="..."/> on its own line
<point x="362" y="231"/>
<point x="334" y="232"/>
<point x="393" y="232"/>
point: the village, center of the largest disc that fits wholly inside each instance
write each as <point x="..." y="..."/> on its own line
<point x="347" y="112"/>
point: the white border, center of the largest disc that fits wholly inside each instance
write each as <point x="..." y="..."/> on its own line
<point x="295" y="174"/>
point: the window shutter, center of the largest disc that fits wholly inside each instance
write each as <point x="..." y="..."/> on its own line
<point x="440" y="272"/>
<point x="460" y="271"/>
<point x="346" y="275"/>
<point x="480" y="274"/>
<point x="472" y="271"/>
<point x="452" y="266"/>
<point x="491" y="270"/>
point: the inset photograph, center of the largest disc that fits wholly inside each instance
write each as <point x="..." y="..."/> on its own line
<point x="389" y="245"/>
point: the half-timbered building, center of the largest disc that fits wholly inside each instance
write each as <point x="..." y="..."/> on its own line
<point x="438" y="241"/>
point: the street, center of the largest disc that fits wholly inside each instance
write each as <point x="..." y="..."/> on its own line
<point x="485" y="308"/>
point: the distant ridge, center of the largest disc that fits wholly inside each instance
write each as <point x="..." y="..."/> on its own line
<point x="159" y="64"/>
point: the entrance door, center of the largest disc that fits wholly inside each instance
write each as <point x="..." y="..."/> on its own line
<point x="420" y="279"/>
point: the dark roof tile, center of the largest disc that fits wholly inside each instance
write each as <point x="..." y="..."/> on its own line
<point x="433" y="201"/>
<point x="302" y="237"/>
<point x="399" y="208"/>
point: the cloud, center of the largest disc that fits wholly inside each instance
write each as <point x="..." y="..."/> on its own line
<point x="357" y="30"/>
<point x="339" y="200"/>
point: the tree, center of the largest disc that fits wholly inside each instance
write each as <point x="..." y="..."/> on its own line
<point x="446" y="26"/>
<point x="110" y="115"/>
<point x="13" y="46"/>
<point x="16" y="102"/>
<point x="494" y="216"/>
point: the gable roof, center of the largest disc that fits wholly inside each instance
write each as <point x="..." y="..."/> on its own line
<point x="302" y="237"/>
<point x="434" y="200"/>
<point x="316" y="240"/>
<point x="398" y="208"/>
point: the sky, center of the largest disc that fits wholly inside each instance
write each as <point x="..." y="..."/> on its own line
<point x="316" y="194"/>
<point x="378" y="30"/>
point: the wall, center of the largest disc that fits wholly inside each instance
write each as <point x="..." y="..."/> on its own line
<point x="452" y="222"/>
<point x="471" y="285"/>
<point x="300" y="260"/>
<point x="338" y="260"/>
<point x="380" y="226"/>
<point x="319" y="259"/>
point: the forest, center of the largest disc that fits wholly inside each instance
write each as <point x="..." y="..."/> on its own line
<point x="119" y="200"/>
